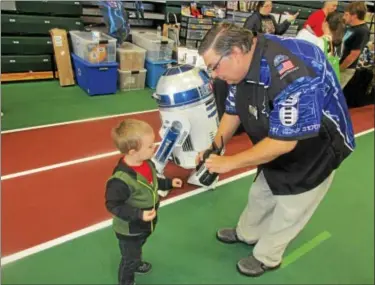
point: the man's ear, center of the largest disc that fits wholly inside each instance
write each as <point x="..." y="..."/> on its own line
<point x="237" y="55"/>
<point x="236" y="51"/>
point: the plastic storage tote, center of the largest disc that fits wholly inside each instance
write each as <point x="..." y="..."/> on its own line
<point x="192" y="34"/>
<point x="95" y="47"/>
<point x="195" y="26"/>
<point x="155" y="70"/>
<point x="95" y="79"/>
<point x="132" y="80"/>
<point x="131" y="57"/>
<point x="158" y="48"/>
<point x="192" y="20"/>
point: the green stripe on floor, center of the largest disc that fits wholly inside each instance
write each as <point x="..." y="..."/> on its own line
<point x="184" y="250"/>
<point x="304" y="249"/>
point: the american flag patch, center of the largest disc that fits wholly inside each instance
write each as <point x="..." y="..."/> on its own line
<point x="284" y="67"/>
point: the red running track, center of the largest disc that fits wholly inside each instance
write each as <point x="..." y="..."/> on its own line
<point x="43" y="206"/>
<point x="36" y="148"/>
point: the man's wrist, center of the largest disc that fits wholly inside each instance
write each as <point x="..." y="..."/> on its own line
<point x="236" y="161"/>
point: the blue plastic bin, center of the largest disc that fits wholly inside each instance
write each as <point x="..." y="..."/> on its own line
<point x="96" y="79"/>
<point x="155" y="70"/>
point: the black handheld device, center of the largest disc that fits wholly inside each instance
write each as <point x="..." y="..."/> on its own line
<point x="205" y="177"/>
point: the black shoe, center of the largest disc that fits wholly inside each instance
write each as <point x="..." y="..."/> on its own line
<point x="229" y="235"/>
<point x="250" y="266"/>
<point x="144" y="267"/>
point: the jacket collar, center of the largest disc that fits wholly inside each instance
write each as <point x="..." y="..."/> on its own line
<point x="253" y="74"/>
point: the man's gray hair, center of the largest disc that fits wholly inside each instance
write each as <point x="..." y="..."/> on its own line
<point x="223" y="37"/>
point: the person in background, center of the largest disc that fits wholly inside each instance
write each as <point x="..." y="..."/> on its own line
<point x="333" y="31"/>
<point x="367" y="57"/>
<point x="315" y="20"/>
<point x="262" y="21"/>
<point x="357" y="35"/>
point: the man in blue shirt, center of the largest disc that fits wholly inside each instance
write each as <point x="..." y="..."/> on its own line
<point x="290" y="103"/>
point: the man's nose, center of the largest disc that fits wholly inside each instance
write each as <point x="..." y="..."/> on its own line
<point x="213" y="74"/>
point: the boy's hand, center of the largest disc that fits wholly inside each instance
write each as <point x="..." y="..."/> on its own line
<point x="176" y="183"/>
<point x="292" y="18"/>
<point x="149" y="215"/>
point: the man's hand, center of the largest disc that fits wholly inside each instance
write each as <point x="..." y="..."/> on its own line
<point x="220" y="164"/>
<point x="149" y="215"/>
<point x="176" y="183"/>
<point x="199" y="156"/>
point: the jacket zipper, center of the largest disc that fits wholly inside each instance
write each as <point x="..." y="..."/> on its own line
<point x="153" y="200"/>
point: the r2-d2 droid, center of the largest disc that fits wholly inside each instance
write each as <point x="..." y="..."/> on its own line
<point x="189" y="117"/>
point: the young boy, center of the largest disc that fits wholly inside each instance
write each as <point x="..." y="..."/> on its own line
<point x="131" y="195"/>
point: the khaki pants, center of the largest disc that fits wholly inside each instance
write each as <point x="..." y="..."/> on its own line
<point x="274" y="221"/>
<point x="345" y="76"/>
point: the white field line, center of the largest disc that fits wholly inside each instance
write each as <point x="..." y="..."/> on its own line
<point x="63" y="239"/>
<point x="90" y="158"/>
<point x="77" y="121"/>
<point x="59" y="165"/>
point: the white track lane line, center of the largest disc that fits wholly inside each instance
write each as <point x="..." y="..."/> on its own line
<point x="59" y="165"/>
<point x="78" y="121"/>
<point x="63" y="239"/>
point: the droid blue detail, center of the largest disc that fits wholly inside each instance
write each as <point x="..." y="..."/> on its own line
<point x="188" y="113"/>
<point x="177" y="69"/>
<point x="167" y="145"/>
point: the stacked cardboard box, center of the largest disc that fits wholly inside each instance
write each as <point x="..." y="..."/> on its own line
<point x="131" y="59"/>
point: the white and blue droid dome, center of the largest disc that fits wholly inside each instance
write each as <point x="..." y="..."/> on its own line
<point x="182" y="85"/>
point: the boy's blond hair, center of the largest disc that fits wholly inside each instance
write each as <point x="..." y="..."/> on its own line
<point x="127" y="135"/>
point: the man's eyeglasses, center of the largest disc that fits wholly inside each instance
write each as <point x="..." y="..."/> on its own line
<point x="213" y="68"/>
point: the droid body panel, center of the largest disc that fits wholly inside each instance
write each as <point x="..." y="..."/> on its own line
<point x="188" y="113"/>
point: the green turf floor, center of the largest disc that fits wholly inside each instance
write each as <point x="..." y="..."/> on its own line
<point x="39" y="103"/>
<point x="184" y="250"/>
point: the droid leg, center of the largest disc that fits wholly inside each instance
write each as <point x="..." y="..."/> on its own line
<point x="165" y="149"/>
<point x="173" y="135"/>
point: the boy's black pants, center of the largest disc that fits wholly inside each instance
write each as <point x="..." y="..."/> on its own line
<point x="131" y="257"/>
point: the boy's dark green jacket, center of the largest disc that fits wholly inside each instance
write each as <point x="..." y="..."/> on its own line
<point x="128" y="194"/>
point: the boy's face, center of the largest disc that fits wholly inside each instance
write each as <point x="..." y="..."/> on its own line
<point x="147" y="147"/>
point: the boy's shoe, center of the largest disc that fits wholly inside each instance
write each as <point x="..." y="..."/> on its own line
<point x="144" y="267"/>
<point x="163" y="193"/>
